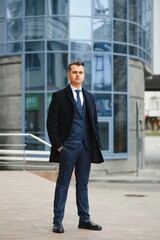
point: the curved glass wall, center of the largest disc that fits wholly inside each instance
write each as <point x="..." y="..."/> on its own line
<point x="104" y="34"/>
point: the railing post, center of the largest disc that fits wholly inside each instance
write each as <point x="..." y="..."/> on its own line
<point x="24" y="157"/>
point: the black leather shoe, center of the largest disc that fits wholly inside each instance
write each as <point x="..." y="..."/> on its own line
<point x="58" y="229"/>
<point x="88" y="224"/>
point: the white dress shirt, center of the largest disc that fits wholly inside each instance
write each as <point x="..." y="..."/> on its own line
<point x="75" y="94"/>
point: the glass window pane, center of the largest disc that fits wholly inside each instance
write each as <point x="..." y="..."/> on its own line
<point x="2" y="49"/>
<point x="143" y="13"/>
<point x="103" y="104"/>
<point x="81" y="46"/>
<point x="133" y="33"/>
<point x="2" y="31"/>
<point x="34" y="119"/>
<point x="34" y="46"/>
<point x="86" y="58"/>
<point x="103" y="7"/>
<point x="14" y="8"/>
<point x="15" y="47"/>
<point x="133" y="10"/>
<point x="57" y="70"/>
<point x="120" y="123"/>
<point x="34" y="7"/>
<point x="149" y="44"/>
<point x="57" y="46"/>
<point x="101" y="29"/>
<point x="140" y="53"/>
<point x="133" y="51"/>
<point x="57" y="7"/>
<point x="79" y="23"/>
<point x="120" y="31"/>
<point x="148" y="16"/>
<point x="140" y="11"/>
<point x="14" y="30"/>
<point x="140" y="37"/>
<point x="34" y="28"/>
<point x="104" y="133"/>
<point x="102" y="72"/>
<point x="2" y="9"/>
<point x="102" y="47"/>
<point x="120" y="9"/>
<point x="119" y="48"/>
<point x="120" y="73"/>
<point x="49" y="98"/>
<point x="34" y="71"/>
<point x="80" y="10"/>
<point x="57" y="28"/>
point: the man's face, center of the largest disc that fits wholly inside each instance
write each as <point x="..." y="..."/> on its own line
<point x="76" y="75"/>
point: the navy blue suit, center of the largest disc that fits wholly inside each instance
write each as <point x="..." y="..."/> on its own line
<point x="77" y="131"/>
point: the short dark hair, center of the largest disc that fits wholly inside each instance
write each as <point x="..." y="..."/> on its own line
<point x="78" y="63"/>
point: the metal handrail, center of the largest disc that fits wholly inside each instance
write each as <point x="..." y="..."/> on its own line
<point x="24" y="135"/>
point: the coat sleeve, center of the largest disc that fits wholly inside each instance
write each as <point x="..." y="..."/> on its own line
<point x="52" y="122"/>
<point x="96" y="124"/>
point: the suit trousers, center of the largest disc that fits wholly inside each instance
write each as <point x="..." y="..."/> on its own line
<point x="79" y="160"/>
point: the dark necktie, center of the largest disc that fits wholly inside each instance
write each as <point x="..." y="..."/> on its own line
<point x="78" y="99"/>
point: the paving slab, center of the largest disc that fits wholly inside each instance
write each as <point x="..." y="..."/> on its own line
<point x="26" y="211"/>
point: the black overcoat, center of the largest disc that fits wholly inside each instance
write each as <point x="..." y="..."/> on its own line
<point x="59" y="122"/>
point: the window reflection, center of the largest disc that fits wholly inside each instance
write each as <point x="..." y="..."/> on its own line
<point x="84" y="8"/>
<point x="133" y="51"/>
<point x="140" y="37"/>
<point x="57" y="46"/>
<point x="120" y="9"/>
<point x="34" y="118"/>
<point x="102" y="29"/>
<point x="34" y="71"/>
<point x="102" y="72"/>
<point x="120" y="123"/>
<point x="103" y="104"/>
<point x="120" y="31"/>
<point x="103" y="7"/>
<point x="81" y="46"/>
<point x="84" y="26"/>
<point x="2" y="10"/>
<point x="2" y="49"/>
<point x="148" y="16"/>
<point x="34" y="7"/>
<point x="14" y="47"/>
<point x="14" y="30"/>
<point x="120" y="73"/>
<point x="14" y="8"/>
<point x="2" y="31"/>
<point x="133" y="10"/>
<point x="133" y="33"/>
<point x="34" y="46"/>
<point x="102" y="47"/>
<point x="57" y="7"/>
<point x="57" y="28"/>
<point x="119" y="48"/>
<point x="34" y="28"/>
<point x="104" y="133"/>
<point x="57" y="70"/>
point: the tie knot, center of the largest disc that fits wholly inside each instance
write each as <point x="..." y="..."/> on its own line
<point x="78" y="91"/>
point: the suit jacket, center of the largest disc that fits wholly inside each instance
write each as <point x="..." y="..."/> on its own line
<point x="59" y="122"/>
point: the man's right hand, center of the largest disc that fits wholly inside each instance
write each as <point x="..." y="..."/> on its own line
<point x="59" y="149"/>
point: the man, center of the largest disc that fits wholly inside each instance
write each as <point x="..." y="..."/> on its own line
<point x="73" y="131"/>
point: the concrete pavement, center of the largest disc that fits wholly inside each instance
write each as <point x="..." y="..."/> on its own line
<point x="26" y="208"/>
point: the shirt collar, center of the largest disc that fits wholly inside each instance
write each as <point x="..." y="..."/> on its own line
<point x="73" y="88"/>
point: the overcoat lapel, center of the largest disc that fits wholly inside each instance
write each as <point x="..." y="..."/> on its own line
<point x="69" y="94"/>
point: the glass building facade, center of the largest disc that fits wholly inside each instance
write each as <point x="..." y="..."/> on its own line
<point x="105" y="34"/>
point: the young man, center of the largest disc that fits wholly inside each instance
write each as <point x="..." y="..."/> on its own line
<point x="74" y="134"/>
